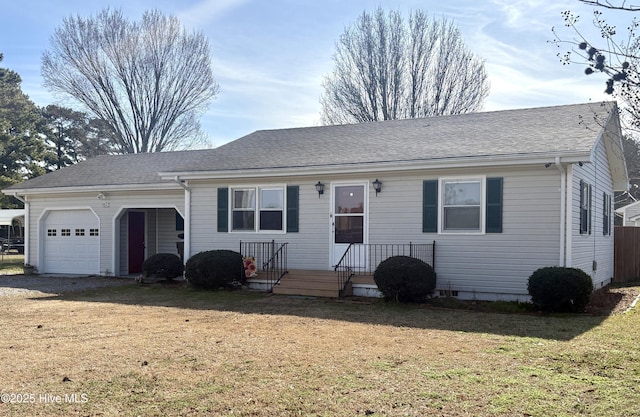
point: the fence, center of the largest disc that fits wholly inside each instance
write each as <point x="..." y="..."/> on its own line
<point x="626" y="250"/>
<point x="363" y="259"/>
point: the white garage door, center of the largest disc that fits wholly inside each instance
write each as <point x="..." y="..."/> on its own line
<point x="71" y="242"/>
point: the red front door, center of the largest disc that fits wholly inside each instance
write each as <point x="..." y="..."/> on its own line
<point x="136" y="241"/>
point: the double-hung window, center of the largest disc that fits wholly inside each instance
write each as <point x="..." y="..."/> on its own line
<point x="244" y="209"/>
<point x="257" y="209"/>
<point x="271" y="208"/>
<point x="462" y="205"/>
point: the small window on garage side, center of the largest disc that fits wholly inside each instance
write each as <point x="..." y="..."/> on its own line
<point x="79" y="232"/>
<point x="94" y="232"/>
<point x="65" y="232"/>
<point x="51" y="232"/>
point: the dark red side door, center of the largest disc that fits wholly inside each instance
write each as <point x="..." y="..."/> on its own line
<point x="136" y="241"/>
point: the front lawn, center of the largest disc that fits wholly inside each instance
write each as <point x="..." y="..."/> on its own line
<point x="169" y="351"/>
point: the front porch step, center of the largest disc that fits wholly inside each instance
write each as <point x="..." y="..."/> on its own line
<point x="309" y="283"/>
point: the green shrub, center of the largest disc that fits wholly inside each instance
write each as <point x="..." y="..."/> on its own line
<point x="162" y="265"/>
<point x="215" y="269"/>
<point x="560" y="289"/>
<point x="405" y="279"/>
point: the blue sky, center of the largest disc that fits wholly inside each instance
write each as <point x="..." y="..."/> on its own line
<point x="270" y="57"/>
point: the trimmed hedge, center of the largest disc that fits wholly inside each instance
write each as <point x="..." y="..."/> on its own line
<point x="215" y="269"/>
<point x="560" y="289"/>
<point x="405" y="279"/>
<point x="162" y="265"/>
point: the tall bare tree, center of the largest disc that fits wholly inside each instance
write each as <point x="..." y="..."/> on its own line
<point x="386" y="67"/>
<point x="149" y="80"/>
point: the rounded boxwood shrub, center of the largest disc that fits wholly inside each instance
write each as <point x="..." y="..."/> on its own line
<point x="560" y="289"/>
<point x="405" y="279"/>
<point x="215" y="269"/>
<point x="162" y="265"/>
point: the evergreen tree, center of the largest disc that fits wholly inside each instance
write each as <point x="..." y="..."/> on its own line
<point x="21" y="147"/>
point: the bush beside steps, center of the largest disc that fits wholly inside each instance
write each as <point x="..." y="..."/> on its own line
<point x="215" y="269"/>
<point x="405" y="279"/>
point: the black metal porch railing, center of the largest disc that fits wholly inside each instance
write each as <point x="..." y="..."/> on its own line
<point x="364" y="258"/>
<point x="271" y="260"/>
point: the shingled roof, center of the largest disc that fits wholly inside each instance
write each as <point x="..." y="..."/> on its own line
<point x="546" y="131"/>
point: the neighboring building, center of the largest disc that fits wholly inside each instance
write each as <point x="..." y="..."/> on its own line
<point x="501" y="193"/>
<point x="630" y="214"/>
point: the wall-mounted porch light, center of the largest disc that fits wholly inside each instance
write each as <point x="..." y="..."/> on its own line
<point x="320" y="188"/>
<point x="377" y="185"/>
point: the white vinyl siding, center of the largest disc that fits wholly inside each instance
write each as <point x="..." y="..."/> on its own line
<point x="497" y="263"/>
<point x="595" y="249"/>
<point x="106" y="210"/>
<point x="307" y="249"/>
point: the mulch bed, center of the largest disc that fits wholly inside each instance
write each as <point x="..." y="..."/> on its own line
<point x="612" y="300"/>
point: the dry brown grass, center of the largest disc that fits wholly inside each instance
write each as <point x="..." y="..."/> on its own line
<point x="158" y="351"/>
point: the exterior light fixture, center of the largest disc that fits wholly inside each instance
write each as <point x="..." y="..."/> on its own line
<point x="377" y="185"/>
<point x="320" y="188"/>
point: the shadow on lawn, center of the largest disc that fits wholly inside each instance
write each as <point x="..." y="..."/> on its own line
<point x="376" y="312"/>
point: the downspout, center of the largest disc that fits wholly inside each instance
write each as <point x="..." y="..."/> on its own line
<point x="27" y="227"/>
<point x="563" y="211"/>
<point x="187" y="217"/>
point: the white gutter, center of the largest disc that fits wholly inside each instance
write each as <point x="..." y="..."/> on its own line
<point x="27" y="217"/>
<point x="563" y="211"/>
<point x="91" y="188"/>
<point x="385" y="166"/>
<point x="187" y="217"/>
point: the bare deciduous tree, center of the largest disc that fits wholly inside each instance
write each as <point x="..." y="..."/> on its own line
<point x="386" y="68"/>
<point x="149" y="80"/>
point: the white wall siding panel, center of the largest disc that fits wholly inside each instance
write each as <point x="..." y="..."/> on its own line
<point x="307" y="249"/>
<point x="594" y="247"/>
<point x="106" y="210"/>
<point x="479" y="263"/>
<point x="476" y="264"/>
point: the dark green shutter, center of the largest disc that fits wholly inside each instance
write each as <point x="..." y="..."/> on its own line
<point x="293" y="204"/>
<point x="582" y="215"/>
<point x="494" y="205"/>
<point x="223" y="209"/>
<point x="430" y="206"/>
<point x="605" y="215"/>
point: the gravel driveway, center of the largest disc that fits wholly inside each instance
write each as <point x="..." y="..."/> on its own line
<point x="17" y="285"/>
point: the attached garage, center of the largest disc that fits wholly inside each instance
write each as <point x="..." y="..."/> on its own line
<point x="71" y="242"/>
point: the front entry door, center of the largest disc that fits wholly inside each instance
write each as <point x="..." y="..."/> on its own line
<point x="136" y="241"/>
<point x="349" y="222"/>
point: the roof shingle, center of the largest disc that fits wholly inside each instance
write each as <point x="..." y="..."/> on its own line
<point x="536" y="131"/>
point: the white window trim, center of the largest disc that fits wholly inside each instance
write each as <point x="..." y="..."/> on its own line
<point x="483" y="192"/>
<point x="257" y="189"/>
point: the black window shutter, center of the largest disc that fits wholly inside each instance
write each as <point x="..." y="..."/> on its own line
<point x="605" y="215"/>
<point x="293" y="204"/>
<point x="430" y="206"/>
<point x="223" y="209"/>
<point x="494" y="205"/>
<point x="583" y="227"/>
<point x="590" y="208"/>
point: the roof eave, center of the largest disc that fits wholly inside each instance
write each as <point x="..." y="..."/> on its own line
<point x="443" y="163"/>
<point x="91" y="188"/>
